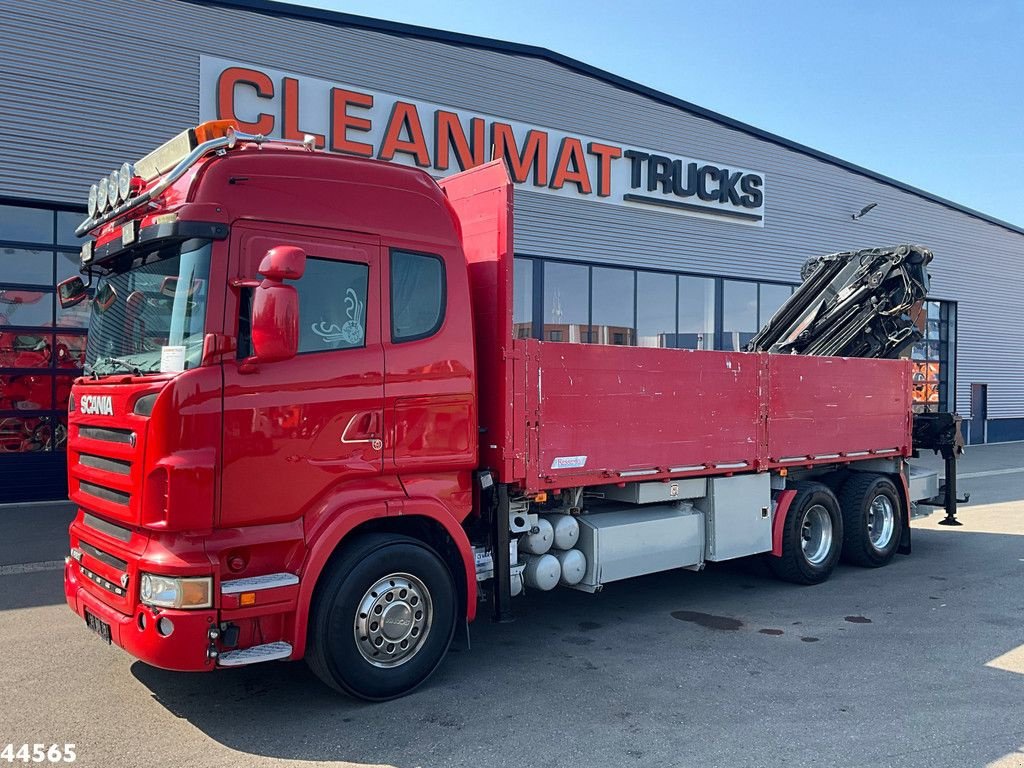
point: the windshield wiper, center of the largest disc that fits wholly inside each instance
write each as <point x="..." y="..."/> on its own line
<point x="124" y="363"/>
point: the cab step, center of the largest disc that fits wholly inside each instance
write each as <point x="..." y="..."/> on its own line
<point x="255" y="654"/>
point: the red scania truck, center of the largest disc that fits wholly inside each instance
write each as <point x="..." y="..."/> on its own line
<point x="306" y="428"/>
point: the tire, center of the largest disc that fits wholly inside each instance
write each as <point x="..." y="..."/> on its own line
<point x="393" y="656"/>
<point x="812" y="536"/>
<point x="872" y="519"/>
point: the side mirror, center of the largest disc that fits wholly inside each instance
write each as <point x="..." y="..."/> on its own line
<point x="285" y="262"/>
<point x="275" y="306"/>
<point x="71" y="292"/>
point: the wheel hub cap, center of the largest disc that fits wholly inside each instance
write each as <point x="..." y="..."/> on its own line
<point x="881" y="522"/>
<point x="393" y="620"/>
<point x="816" y="534"/>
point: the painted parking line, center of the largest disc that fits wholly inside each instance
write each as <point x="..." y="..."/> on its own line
<point x="46" y="565"/>
<point x="989" y="473"/>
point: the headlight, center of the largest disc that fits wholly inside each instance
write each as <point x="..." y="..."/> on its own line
<point x="170" y="592"/>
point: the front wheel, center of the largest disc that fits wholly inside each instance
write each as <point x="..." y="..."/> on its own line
<point x="812" y="536"/>
<point x="382" y="617"/>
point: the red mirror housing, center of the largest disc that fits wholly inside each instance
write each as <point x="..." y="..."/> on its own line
<point x="275" y="321"/>
<point x="284" y="262"/>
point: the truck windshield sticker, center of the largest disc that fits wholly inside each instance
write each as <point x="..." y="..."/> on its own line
<point x="172" y="359"/>
<point x="352" y="331"/>
<point x="569" y="462"/>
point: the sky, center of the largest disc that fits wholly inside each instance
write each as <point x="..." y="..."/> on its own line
<point x="928" y="93"/>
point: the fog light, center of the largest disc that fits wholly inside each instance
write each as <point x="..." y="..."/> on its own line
<point x="165" y="626"/>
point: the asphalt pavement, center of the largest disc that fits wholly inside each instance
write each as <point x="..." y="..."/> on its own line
<point x="917" y="664"/>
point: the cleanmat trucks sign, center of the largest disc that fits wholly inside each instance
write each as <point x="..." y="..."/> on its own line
<point x="442" y="139"/>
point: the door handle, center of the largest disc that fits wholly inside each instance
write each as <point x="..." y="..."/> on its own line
<point x="370" y="430"/>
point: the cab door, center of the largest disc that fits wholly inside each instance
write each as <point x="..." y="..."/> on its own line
<point x="297" y="430"/>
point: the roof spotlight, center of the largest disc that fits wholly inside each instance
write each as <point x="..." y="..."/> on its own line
<point x="92" y="207"/>
<point x="113" y="188"/>
<point x="124" y="177"/>
<point x="101" y="195"/>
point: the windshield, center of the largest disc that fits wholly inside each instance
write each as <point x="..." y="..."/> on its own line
<point x="150" y="319"/>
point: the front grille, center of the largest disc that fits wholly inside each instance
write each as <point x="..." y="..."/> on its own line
<point x="95" y="578"/>
<point x="117" y="466"/>
<point x="114" y="531"/>
<point x="103" y="557"/>
<point x="107" y="494"/>
<point x="108" y="434"/>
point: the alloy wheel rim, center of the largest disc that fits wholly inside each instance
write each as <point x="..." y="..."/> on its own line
<point x="393" y="620"/>
<point x="881" y="521"/>
<point x="816" y="534"/>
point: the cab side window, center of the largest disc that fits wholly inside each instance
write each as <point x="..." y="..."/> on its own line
<point x="332" y="305"/>
<point x="417" y="295"/>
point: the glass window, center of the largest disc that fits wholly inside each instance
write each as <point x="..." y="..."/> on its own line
<point x="26" y="392"/>
<point x="332" y="305"/>
<point x="26" y="225"/>
<point x="70" y="351"/>
<point x="30" y="434"/>
<point x="66" y="223"/>
<point x="772" y="297"/>
<point x="68" y="265"/>
<point x="739" y="313"/>
<point x="24" y="349"/>
<point x="655" y="310"/>
<point x="417" y="295"/>
<point x="611" y="308"/>
<point x="23" y="265"/>
<point x="74" y="317"/>
<point x="566" y="294"/>
<point x="522" y="298"/>
<point x="25" y="307"/>
<point x="696" y="313"/>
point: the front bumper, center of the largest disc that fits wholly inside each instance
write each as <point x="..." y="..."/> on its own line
<point x="184" y="649"/>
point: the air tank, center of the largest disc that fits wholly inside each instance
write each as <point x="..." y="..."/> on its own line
<point x="542" y="571"/>
<point x="573" y="566"/>
<point x="540" y="542"/>
<point x="566" y="528"/>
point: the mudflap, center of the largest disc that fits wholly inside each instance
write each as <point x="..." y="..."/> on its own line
<point x="904" y="547"/>
<point x="460" y="640"/>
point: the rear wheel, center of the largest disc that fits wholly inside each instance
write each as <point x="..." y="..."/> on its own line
<point x="872" y="518"/>
<point x="382" y="618"/>
<point x="812" y="536"/>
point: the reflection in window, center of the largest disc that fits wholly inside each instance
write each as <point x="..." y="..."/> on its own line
<point x="26" y="265"/>
<point x="522" y="298"/>
<point x="19" y="307"/>
<point x="31" y="434"/>
<point x="332" y="305"/>
<point x="70" y="351"/>
<point x="26" y="392"/>
<point x="739" y="314"/>
<point x="566" y="294"/>
<point x="612" y="306"/>
<point x="696" y="313"/>
<point x="928" y="372"/>
<point x="655" y="310"/>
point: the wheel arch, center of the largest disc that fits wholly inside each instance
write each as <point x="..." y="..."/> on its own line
<point x="424" y="519"/>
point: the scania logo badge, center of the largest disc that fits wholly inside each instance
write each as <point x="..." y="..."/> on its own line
<point x="124" y="579"/>
<point x="96" y="405"/>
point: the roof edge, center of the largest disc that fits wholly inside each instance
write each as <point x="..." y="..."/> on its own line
<point x="339" y="18"/>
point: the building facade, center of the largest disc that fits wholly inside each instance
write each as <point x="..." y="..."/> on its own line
<point x="640" y="219"/>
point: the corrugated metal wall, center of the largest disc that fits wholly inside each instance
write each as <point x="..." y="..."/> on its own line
<point x="76" y="104"/>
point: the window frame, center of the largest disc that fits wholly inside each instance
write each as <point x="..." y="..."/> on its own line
<point x="443" y="310"/>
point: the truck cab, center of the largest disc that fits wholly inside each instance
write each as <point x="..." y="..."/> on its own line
<point x="279" y="353"/>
